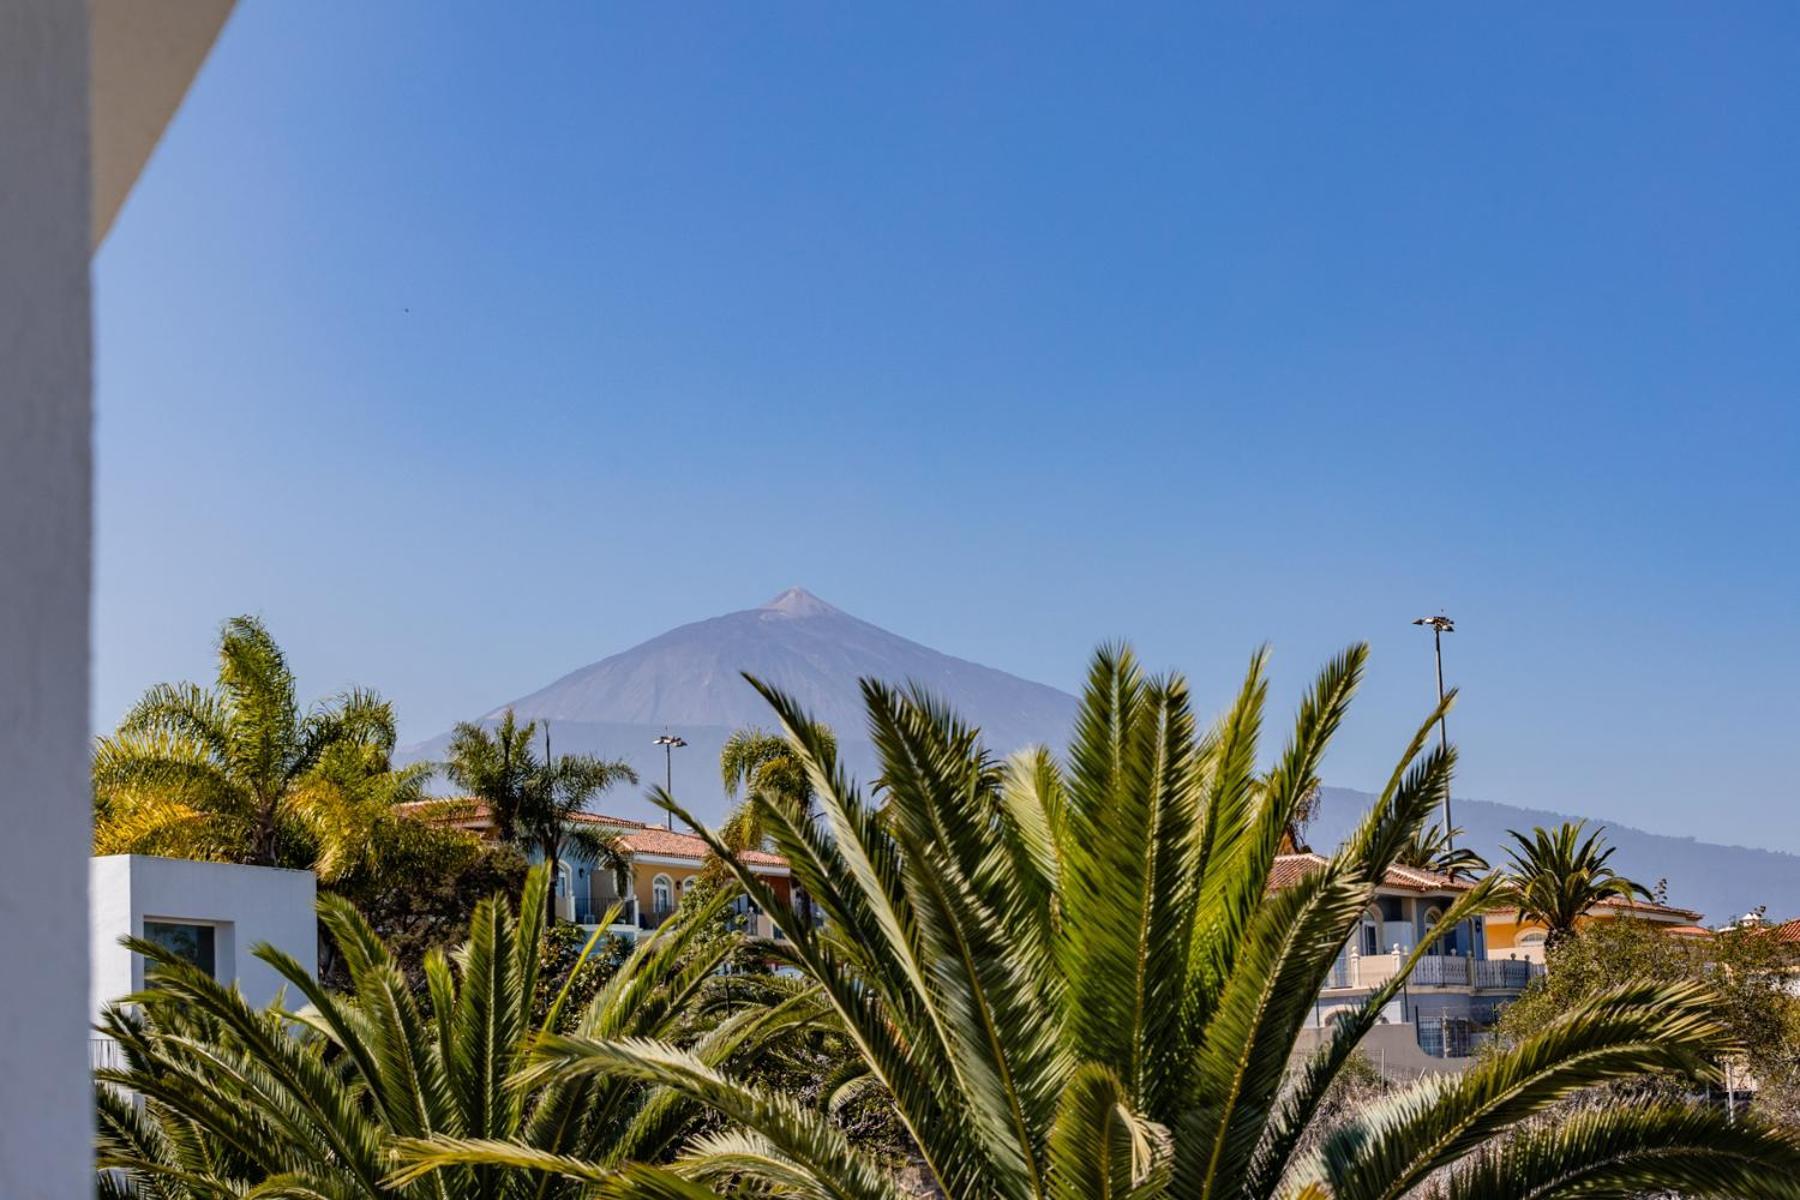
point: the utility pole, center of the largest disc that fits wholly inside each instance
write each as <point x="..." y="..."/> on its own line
<point x="1440" y="625"/>
<point x="669" y="743"/>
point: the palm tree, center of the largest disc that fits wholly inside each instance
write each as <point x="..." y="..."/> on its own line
<point x="1075" y="981"/>
<point x="536" y="803"/>
<point x="219" y="1099"/>
<point x="767" y="769"/>
<point x="1432" y="849"/>
<point x="239" y="774"/>
<point x="1556" y="876"/>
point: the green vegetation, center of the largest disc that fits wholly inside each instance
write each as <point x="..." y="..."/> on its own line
<point x="534" y="802"/>
<point x="1434" y="849"/>
<point x="1555" y="876"/>
<point x="1035" y="980"/>
<point x="239" y="774"/>
<point x="765" y="768"/>
<point x="237" y="1101"/>
<point x="1075" y="982"/>
<point x="1748" y="973"/>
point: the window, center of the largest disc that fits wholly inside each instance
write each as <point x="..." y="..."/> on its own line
<point x="662" y="894"/>
<point x="1533" y="938"/>
<point x="188" y="942"/>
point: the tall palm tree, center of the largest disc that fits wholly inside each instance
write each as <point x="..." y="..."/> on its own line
<point x="766" y="769"/>
<point x="239" y="773"/>
<point x="1555" y="876"/>
<point x="536" y="803"/>
<point x="1433" y="849"/>
<point x="1075" y="981"/>
<point x="220" y="1099"/>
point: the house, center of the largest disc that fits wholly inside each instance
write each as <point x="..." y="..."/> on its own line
<point x="212" y="914"/>
<point x="1510" y="935"/>
<point x="1454" y="994"/>
<point x="661" y="864"/>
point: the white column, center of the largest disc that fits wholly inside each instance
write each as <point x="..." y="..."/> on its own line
<point x="45" y="463"/>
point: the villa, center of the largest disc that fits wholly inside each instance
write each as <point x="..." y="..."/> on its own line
<point x="661" y="864"/>
<point x="1509" y="934"/>
<point x="1454" y="994"/>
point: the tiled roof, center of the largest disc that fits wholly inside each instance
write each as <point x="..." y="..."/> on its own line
<point x="1787" y="931"/>
<point x="637" y="836"/>
<point x="651" y="840"/>
<point x="1648" y="908"/>
<point x="1290" y="869"/>
<point x="465" y="808"/>
<point x="1698" y="931"/>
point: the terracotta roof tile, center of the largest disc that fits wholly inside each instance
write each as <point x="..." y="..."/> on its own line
<point x="1290" y="869"/>
<point x="639" y="837"/>
<point x="651" y="840"/>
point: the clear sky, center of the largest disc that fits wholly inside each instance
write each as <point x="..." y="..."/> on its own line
<point x="470" y="343"/>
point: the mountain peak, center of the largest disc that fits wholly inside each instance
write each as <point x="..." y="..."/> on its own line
<point x="798" y="602"/>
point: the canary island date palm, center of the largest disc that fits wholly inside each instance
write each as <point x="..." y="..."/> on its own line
<point x="216" y="1099"/>
<point x="536" y="803"/>
<point x="239" y="773"/>
<point x="1075" y="981"/>
<point x="765" y="769"/>
<point x="1555" y="876"/>
<point x="1434" y="849"/>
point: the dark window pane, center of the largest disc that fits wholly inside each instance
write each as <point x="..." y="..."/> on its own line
<point x="194" y="943"/>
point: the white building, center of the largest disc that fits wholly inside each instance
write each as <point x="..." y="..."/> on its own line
<point x="213" y="914"/>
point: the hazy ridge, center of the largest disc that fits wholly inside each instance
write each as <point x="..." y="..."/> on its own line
<point x="688" y="681"/>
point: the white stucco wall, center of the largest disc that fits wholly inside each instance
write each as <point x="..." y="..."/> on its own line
<point x="245" y="905"/>
<point x="45" y="1123"/>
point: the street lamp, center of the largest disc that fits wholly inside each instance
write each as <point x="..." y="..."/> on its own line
<point x="1440" y="625"/>
<point x="670" y="743"/>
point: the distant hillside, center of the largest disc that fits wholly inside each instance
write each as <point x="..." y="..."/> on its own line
<point x="1720" y="881"/>
<point x="687" y="682"/>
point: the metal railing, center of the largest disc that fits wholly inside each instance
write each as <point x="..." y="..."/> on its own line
<point x="1506" y="974"/>
<point x="1452" y="1037"/>
<point x="588" y="911"/>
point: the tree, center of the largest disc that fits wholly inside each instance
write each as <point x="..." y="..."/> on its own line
<point x="1431" y="849"/>
<point x="766" y="769"/>
<point x="536" y="803"/>
<point x="1556" y="876"/>
<point x="217" y="1099"/>
<point x="1748" y="970"/>
<point x="239" y="774"/>
<point x="1076" y="981"/>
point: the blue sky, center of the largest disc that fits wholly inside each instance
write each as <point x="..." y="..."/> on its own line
<point x="468" y="345"/>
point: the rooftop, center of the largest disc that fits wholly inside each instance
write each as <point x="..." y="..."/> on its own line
<point x="1292" y="868"/>
<point x="639" y="837"/>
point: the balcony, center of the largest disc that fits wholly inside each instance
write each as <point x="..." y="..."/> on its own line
<point x="1366" y="971"/>
<point x="585" y="910"/>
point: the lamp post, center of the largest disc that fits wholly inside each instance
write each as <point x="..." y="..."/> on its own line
<point x="1440" y="625"/>
<point x="669" y="742"/>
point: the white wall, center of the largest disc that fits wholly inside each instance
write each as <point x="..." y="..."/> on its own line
<point x="45" y="1104"/>
<point x="246" y="906"/>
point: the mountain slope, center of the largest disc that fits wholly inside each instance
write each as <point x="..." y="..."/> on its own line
<point x="802" y="646"/>
<point x="1720" y="881"/>
<point x="687" y="682"/>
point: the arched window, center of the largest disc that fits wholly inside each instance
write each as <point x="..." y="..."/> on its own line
<point x="1443" y="945"/>
<point x="562" y="880"/>
<point x="1531" y="937"/>
<point x="662" y="894"/>
<point x="1371" y="932"/>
